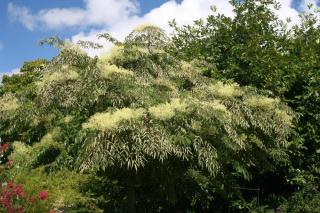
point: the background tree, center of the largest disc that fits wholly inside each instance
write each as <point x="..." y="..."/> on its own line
<point x="256" y="48"/>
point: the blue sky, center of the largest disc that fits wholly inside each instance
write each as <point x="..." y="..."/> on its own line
<point x="19" y="44"/>
<point x="24" y="22"/>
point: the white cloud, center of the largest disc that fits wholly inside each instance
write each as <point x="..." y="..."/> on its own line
<point x="94" y="13"/>
<point x="184" y="13"/>
<point x="21" y="14"/>
<point x="14" y="71"/>
<point x="108" y="13"/>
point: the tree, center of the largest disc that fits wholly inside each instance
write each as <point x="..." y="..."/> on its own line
<point x="146" y="106"/>
<point x="256" y="48"/>
<point x="139" y="112"/>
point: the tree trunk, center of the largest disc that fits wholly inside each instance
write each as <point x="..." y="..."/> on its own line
<point x="131" y="196"/>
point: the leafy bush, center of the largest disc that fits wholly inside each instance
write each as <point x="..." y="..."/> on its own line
<point x="305" y="200"/>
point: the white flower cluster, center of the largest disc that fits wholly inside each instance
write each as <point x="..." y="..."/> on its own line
<point x="61" y="77"/>
<point x="261" y="102"/>
<point x="107" y="70"/>
<point x="284" y="116"/>
<point x="168" y="110"/>
<point x="225" y="90"/>
<point x="8" y="103"/>
<point x="107" y="121"/>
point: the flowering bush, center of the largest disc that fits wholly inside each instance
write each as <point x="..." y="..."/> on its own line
<point x="13" y="198"/>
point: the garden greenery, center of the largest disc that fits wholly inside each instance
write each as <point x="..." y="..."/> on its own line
<point x="164" y="124"/>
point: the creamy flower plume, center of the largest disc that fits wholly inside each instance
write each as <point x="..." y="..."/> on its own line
<point x="110" y="120"/>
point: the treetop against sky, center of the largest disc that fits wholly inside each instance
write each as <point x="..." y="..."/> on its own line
<point x="24" y="23"/>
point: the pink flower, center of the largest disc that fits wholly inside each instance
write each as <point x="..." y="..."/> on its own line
<point x="19" y="191"/>
<point x="10" y="184"/>
<point x="51" y="211"/>
<point x="43" y="195"/>
<point x="13" y="198"/>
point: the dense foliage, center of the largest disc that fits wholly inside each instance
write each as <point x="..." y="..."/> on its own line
<point x="256" y="48"/>
<point x="181" y="124"/>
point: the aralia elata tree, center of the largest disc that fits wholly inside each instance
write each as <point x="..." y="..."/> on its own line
<point x="139" y="106"/>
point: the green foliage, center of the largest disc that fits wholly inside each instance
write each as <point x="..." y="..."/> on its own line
<point x="305" y="200"/>
<point x="256" y="48"/>
<point x="252" y="207"/>
<point x="23" y="83"/>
